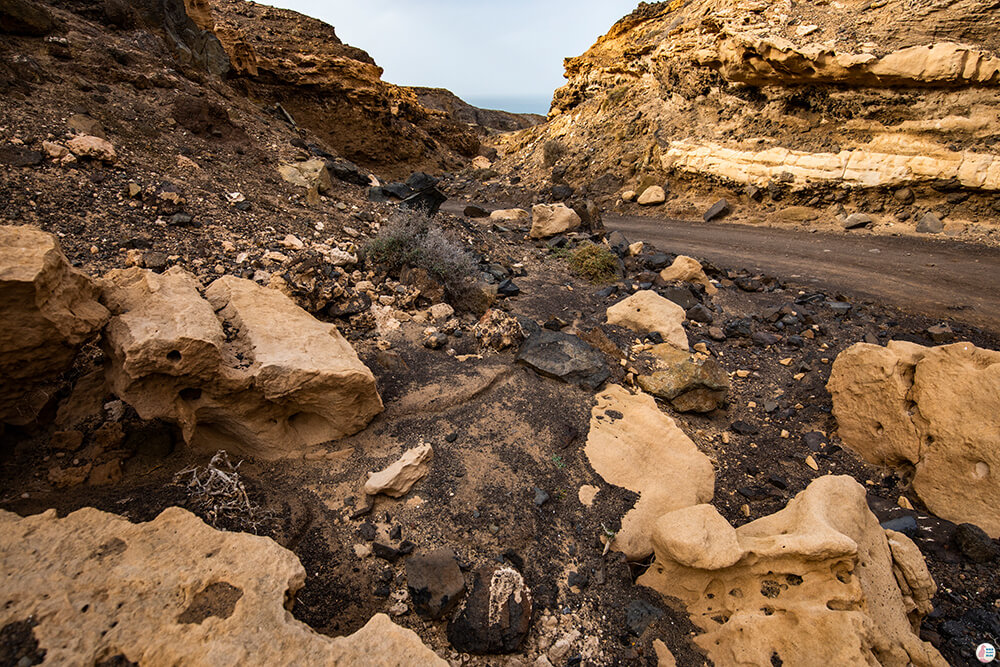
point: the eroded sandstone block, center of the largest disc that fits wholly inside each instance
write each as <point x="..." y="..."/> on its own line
<point x="48" y="310"/>
<point x="646" y="311"/>
<point x="551" y="219"/>
<point x="172" y="591"/>
<point x="633" y="445"/>
<point x="818" y="578"/>
<point x="936" y="408"/>
<point x="242" y="368"/>
<point x="688" y="270"/>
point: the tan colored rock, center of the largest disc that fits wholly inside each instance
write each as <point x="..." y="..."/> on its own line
<point x="54" y="150"/>
<point x="796" y="214"/>
<point x="646" y="311"/>
<point x="92" y="147"/>
<point x="280" y="383"/>
<point x="652" y="195"/>
<point x="48" y="310"/>
<point x="628" y="196"/>
<point x="688" y="270"/>
<point x="481" y="162"/>
<point x="664" y="658"/>
<point x="309" y="174"/>
<point x="818" y="578"/>
<point x="643" y="450"/>
<point x="688" y="383"/>
<point x="509" y="215"/>
<point x="397" y="480"/>
<point x="172" y="591"/>
<point x="551" y="219"/>
<point x="936" y="408"/>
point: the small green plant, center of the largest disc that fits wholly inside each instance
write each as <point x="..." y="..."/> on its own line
<point x="558" y="460"/>
<point x="609" y="538"/>
<point x="595" y="262"/>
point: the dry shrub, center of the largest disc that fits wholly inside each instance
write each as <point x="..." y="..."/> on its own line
<point x="595" y="262"/>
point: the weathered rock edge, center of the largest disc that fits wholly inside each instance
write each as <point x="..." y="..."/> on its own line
<point x="169" y="592"/>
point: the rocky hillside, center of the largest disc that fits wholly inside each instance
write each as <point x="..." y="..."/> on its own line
<point x="489" y="119"/>
<point x="254" y="408"/>
<point x="885" y="108"/>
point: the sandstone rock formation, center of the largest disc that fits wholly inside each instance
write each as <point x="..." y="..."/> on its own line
<point x="633" y="445"/>
<point x="509" y="215"/>
<point x="688" y="270"/>
<point x="397" y="480"/>
<point x="310" y="174"/>
<point x="242" y="368"/>
<point x="169" y="592"/>
<point x="936" y="408"/>
<point x="336" y="90"/>
<point x="646" y="311"/>
<point x="48" y="310"/>
<point x="551" y="219"/>
<point x="796" y="96"/>
<point x="818" y="578"/>
<point x="490" y="120"/>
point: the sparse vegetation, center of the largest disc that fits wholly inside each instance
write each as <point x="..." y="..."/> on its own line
<point x="595" y="262"/>
<point x="217" y="493"/>
<point x="553" y="151"/>
<point x="412" y="239"/>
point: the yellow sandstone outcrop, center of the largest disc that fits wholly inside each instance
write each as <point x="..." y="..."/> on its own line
<point x="172" y="591"/>
<point x="819" y="582"/>
<point x="936" y="408"/>
<point x="242" y="368"/>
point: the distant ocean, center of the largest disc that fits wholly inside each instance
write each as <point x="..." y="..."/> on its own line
<point x="539" y="105"/>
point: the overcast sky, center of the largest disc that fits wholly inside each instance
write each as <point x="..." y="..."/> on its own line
<point x="497" y="52"/>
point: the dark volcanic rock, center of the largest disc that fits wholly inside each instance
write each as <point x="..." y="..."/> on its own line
<point x="435" y="582"/>
<point x="561" y="192"/>
<point x="496" y="615"/>
<point x="930" y="224"/>
<point x="17" y="156"/>
<point x="475" y="212"/>
<point x="564" y="357"/>
<point x="639" y="614"/>
<point x="23" y="17"/>
<point x="975" y="544"/>
<point x="347" y="171"/>
<point x="719" y="209"/>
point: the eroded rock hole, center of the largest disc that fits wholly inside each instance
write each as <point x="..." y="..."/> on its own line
<point x="174" y="356"/>
<point x="770" y="588"/>
<point x="218" y="599"/>
<point x="190" y="394"/>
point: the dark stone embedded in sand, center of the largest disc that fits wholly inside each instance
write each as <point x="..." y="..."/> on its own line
<point x="639" y="614"/>
<point x="508" y="288"/>
<point x="435" y="582"/>
<point x="496" y="615"/>
<point x="561" y="192"/>
<point x="346" y="171"/>
<point x="744" y="428"/>
<point x="564" y="357"/>
<point x="699" y="313"/>
<point x="475" y="212"/>
<point x="975" y="544"/>
<point x="17" y="156"/>
<point x="719" y="209"/>
<point x="681" y="295"/>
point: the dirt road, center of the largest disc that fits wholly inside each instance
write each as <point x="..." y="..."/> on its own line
<point x="933" y="277"/>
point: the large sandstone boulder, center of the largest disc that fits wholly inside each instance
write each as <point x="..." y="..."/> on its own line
<point x="310" y="174"/>
<point x="818" y="578"/>
<point x="646" y="312"/>
<point x="551" y="219"/>
<point x="48" y="310"/>
<point x="242" y="368"/>
<point x="633" y="445"/>
<point x="172" y="591"/>
<point x="936" y="408"/>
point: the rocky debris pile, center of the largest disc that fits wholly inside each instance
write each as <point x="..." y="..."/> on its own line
<point x="634" y="445"/>
<point x="49" y="309"/>
<point x="935" y="408"/>
<point x="170" y="591"/>
<point x="818" y="577"/>
<point x="241" y="368"/>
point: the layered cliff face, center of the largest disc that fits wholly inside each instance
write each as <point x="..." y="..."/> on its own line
<point x="801" y="97"/>
<point x="490" y="121"/>
<point x="335" y="90"/>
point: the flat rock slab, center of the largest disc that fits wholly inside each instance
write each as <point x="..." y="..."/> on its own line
<point x="172" y="591"/>
<point x="564" y="357"/>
